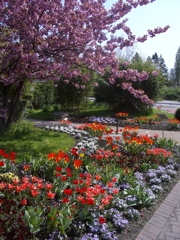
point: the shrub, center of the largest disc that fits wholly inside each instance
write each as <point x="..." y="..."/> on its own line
<point x="72" y="94"/>
<point x="43" y="94"/>
<point x="172" y="94"/>
<point x="177" y="114"/>
<point x="48" y="108"/>
<point x="121" y="99"/>
<point x="57" y="107"/>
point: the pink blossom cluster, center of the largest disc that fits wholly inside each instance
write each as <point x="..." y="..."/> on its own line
<point x="137" y="93"/>
<point x="42" y="40"/>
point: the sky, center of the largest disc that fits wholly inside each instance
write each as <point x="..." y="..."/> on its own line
<point x="157" y="14"/>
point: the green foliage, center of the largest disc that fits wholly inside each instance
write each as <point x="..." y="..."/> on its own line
<point x="160" y="63"/>
<point x="48" y="108"/>
<point x="122" y="100"/>
<point x="177" y="114"/>
<point x="142" y="197"/>
<point x="172" y="93"/>
<point x="33" y="218"/>
<point x="72" y="94"/>
<point x="43" y="94"/>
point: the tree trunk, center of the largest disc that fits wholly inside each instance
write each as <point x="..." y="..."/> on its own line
<point x="8" y="93"/>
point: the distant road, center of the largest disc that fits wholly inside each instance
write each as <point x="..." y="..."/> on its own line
<point x="167" y="105"/>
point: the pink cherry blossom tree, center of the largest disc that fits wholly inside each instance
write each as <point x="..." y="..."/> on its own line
<point x="43" y="39"/>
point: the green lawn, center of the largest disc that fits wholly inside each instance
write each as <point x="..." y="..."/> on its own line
<point x="98" y="110"/>
<point x="27" y="141"/>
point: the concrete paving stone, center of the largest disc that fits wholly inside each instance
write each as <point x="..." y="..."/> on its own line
<point x="158" y="220"/>
<point x="169" y="238"/>
<point x="151" y="235"/>
<point x="163" y="213"/>
<point x="156" y="223"/>
<point x="176" y="229"/>
<point x="161" y="237"/>
<point x="175" y="223"/>
<point x="173" y="197"/>
<point x="171" y="202"/>
<point x="172" y="235"/>
<point x="166" y="208"/>
<point x="142" y="237"/>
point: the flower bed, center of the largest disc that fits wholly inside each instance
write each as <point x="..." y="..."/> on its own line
<point x="141" y="122"/>
<point x="90" y="192"/>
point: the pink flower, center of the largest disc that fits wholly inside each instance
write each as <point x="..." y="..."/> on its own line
<point x="155" y="73"/>
<point x="95" y="84"/>
<point x="159" y="106"/>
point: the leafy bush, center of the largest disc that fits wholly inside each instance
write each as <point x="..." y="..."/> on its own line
<point x="177" y="114"/>
<point x="48" y="108"/>
<point x="172" y="94"/>
<point x="73" y="93"/>
<point x="57" y="107"/>
<point x="43" y="95"/>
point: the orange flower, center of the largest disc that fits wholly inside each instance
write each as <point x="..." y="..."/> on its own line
<point x="51" y="156"/>
<point x="115" y="190"/>
<point x="34" y="192"/>
<point x="98" y="177"/>
<point x="26" y="167"/>
<point x="114" y="147"/>
<point x="49" y="186"/>
<point x="50" y="194"/>
<point x="77" y="163"/>
<point x="24" y="201"/>
<point x="122" y="114"/>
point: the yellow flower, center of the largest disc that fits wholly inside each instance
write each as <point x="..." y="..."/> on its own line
<point x="81" y="155"/>
<point x="9" y="176"/>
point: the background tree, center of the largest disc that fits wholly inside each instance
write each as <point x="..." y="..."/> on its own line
<point x="172" y="78"/>
<point x="119" y="98"/>
<point x="160" y="63"/>
<point x="177" y="67"/>
<point x="46" y="39"/>
<point x="74" y="93"/>
<point x="43" y="94"/>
